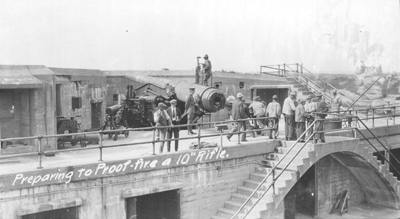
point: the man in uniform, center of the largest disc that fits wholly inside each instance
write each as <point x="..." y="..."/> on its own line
<point x="322" y="108"/>
<point x="273" y="111"/>
<point x="300" y="119"/>
<point x="288" y="111"/>
<point x="238" y="112"/>
<point x="207" y="69"/>
<point x="310" y="108"/>
<point x="175" y="115"/>
<point x="258" y="110"/>
<point x="161" y="118"/>
<point x="190" y="110"/>
<point x="336" y="102"/>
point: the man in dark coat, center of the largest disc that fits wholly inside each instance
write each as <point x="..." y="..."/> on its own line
<point x="175" y="115"/>
<point x="322" y="109"/>
<point x="190" y="110"/>
<point x="238" y="112"/>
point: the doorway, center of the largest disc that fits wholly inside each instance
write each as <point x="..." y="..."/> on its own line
<point x="96" y="115"/>
<point x="162" y="205"/>
<point x="266" y="94"/>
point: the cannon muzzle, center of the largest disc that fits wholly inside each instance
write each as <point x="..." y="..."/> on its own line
<point x="210" y="99"/>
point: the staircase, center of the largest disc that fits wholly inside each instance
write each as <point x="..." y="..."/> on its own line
<point x="271" y="205"/>
<point x="304" y="79"/>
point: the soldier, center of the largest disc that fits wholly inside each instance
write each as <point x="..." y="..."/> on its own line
<point x="288" y="111"/>
<point x="310" y="108"/>
<point x="300" y="119"/>
<point x="161" y="118"/>
<point x="336" y="102"/>
<point x="238" y="112"/>
<point x="322" y="108"/>
<point x="207" y="69"/>
<point x="190" y="110"/>
<point x="273" y="111"/>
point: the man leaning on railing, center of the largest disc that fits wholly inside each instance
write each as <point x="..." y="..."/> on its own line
<point x="322" y="109"/>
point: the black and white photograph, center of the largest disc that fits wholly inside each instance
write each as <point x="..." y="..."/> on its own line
<point x="211" y="109"/>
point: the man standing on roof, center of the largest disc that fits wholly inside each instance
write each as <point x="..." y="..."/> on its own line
<point x="190" y="110"/>
<point x="322" y="109"/>
<point x="273" y="111"/>
<point x="207" y="67"/>
<point x="288" y="111"/>
<point x="238" y="112"/>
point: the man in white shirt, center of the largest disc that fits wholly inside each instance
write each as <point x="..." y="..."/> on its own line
<point x="258" y="110"/>
<point x="273" y="111"/>
<point x="288" y="112"/>
<point x="161" y="119"/>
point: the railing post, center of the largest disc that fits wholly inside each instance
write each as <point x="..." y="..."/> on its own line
<point x="373" y="117"/>
<point x="279" y="71"/>
<point x="198" y="134"/>
<point x="101" y="145"/>
<point x="394" y="115"/>
<point x="284" y="69"/>
<point x="273" y="181"/>
<point x="154" y="141"/>
<point x="239" y="127"/>
<point x="40" y="152"/>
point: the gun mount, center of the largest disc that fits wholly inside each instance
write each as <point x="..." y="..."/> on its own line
<point x="142" y="101"/>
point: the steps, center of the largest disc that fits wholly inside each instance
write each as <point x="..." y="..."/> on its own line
<point x="266" y="203"/>
<point x="271" y="204"/>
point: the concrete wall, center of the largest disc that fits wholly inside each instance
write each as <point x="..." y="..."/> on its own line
<point x="91" y="92"/>
<point x="204" y="186"/>
<point x="332" y="178"/>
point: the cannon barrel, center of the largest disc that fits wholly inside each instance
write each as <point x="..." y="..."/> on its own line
<point x="210" y="99"/>
<point x="113" y="109"/>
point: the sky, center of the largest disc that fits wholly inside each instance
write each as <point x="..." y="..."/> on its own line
<point x="330" y="36"/>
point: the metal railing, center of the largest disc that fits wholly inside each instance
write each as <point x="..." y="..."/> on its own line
<point x="305" y="77"/>
<point x="312" y="136"/>
<point x="40" y="150"/>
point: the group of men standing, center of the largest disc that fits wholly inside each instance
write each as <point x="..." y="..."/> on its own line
<point x="172" y="116"/>
<point x="298" y="112"/>
<point x="258" y="110"/>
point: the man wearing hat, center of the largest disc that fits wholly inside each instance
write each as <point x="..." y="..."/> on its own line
<point x="190" y="110"/>
<point x="311" y="108"/>
<point x="161" y="119"/>
<point x="288" y="112"/>
<point x="300" y="119"/>
<point x="175" y="114"/>
<point x="207" y="69"/>
<point x="238" y="113"/>
<point x="273" y="111"/>
<point x="258" y="110"/>
<point x="322" y="109"/>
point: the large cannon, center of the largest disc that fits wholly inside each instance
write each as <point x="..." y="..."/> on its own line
<point x="142" y="101"/>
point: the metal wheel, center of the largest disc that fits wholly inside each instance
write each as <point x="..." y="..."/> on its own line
<point x="115" y="137"/>
<point x="74" y="142"/>
<point x="60" y="145"/>
<point x="83" y="144"/>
